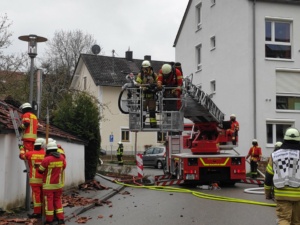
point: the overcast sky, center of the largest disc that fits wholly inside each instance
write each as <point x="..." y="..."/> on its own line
<point x="146" y="27"/>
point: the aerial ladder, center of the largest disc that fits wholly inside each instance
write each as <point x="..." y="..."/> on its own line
<point x="196" y="151"/>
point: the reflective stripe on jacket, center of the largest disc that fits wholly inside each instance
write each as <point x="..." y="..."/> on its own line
<point x="30" y="132"/>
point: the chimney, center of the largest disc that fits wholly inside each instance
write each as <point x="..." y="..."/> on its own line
<point x="147" y="57"/>
<point x="128" y="55"/>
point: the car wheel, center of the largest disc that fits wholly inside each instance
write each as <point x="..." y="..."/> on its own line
<point x="159" y="165"/>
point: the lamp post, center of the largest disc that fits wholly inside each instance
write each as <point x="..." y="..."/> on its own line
<point x="32" y="40"/>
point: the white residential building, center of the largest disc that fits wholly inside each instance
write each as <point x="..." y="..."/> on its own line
<point x="246" y="54"/>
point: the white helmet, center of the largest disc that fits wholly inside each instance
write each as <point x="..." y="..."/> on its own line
<point x="146" y="63"/>
<point x="278" y="144"/>
<point x="120" y="142"/>
<point x="39" y="141"/>
<point x="51" y="146"/>
<point x="166" y="69"/>
<point x="292" y="134"/>
<point x="233" y="115"/>
<point x="25" y="105"/>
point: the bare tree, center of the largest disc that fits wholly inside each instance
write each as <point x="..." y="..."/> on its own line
<point x="62" y="54"/>
<point x="12" y="80"/>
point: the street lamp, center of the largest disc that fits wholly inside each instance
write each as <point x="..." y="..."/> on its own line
<point x="32" y="40"/>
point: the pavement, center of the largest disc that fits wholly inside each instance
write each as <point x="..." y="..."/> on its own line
<point x="92" y="196"/>
<point x="97" y="195"/>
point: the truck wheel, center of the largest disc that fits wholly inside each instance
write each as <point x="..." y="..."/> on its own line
<point x="159" y="165"/>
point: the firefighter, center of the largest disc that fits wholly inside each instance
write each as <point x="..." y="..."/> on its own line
<point x="232" y="132"/>
<point x="146" y="79"/>
<point x="255" y="157"/>
<point x="52" y="168"/>
<point x="29" y="124"/>
<point x="171" y="78"/>
<point x="283" y="173"/>
<point x="120" y="153"/>
<point x="34" y="159"/>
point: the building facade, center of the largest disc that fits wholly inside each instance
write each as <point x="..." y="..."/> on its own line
<point x="246" y="55"/>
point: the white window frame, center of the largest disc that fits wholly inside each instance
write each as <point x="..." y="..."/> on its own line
<point x="125" y="130"/>
<point x="213" y="86"/>
<point x="199" y="16"/>
<point x="84" y="83"/>
<point x="163" y="135"/>
<point x="213" y="43"/>
<point x="199" y="57"/>
<point x="273" y="21"/>
<point x="274" y="123"/>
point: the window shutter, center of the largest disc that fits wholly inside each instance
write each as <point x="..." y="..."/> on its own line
<point x="287" y="82"/>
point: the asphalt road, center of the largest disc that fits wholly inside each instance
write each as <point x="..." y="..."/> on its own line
<point x="186" y="205"/>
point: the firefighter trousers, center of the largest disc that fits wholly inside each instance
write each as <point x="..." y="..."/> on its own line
<point x="53" y="202"/>
<point x="253" y="167"/>
<point x="37" y="196"/>
<point x="288" y="212"/>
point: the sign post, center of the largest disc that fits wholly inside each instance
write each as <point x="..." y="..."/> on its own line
<point x="111" y="140"/>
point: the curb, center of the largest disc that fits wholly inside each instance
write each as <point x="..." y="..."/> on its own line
<point x="83" y="209"/>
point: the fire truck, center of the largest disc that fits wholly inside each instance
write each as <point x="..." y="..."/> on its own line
<point x="198" y="151"/>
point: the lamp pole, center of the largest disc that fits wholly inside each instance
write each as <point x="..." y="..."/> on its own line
<point x="32" y="40"/>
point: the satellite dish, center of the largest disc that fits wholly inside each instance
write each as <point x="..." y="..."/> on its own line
<point x="96" y="49"/>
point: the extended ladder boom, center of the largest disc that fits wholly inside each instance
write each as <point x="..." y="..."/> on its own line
<point x="198" y="105"/>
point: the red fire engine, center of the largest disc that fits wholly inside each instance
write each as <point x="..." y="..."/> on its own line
<point x="198" y="151"/>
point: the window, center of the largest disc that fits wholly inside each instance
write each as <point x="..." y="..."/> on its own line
<point x="278" y="39"/>
<point x="276" y="130"/>
<point x="198" y="16"/>
<point x="213" y="42"/>
<point x="125" y="134"/>
<point x="84" y="83"/>
<point x="213" y="86"/>
<point x="287" y="89"/>
<point x="213" y="2"/>
<point x="288" y="102"/>
<point x="161" y="137"/>
<point x="198" y="57"/>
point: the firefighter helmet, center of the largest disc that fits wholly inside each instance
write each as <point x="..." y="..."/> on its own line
<point x="292" y="134"/>
<point x="120" y="142"/>
<point x="232" y="116"/>
<point x="166" y="69"/>
<point x="39" y="141"/>
<point x="254" y="142"/>
<point x="146" y="63"/>
<point x="51" y="146"/>
<point x="26" y="106"/>
<point x="278" y="144"/>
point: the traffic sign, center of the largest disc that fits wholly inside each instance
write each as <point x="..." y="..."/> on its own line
<point x="111" y="138"/>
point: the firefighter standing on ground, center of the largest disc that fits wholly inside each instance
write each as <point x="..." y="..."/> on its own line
<point x="170" y="77"/>
<point x="255" y="157"/>
<point x="283" y="173"/>
<point x="52" y="168"/>
<point x="147" y="80"/>
<point x="234" y="128"/>
<point x="34" y="159"/>
<point x="120" y="153"/>
<point x="29" y="124"/>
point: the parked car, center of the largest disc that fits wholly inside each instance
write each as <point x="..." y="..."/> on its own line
<point x="155" y="156"/>
<point x="102" y="151"/>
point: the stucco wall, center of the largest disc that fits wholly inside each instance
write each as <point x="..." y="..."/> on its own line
<point x="13" y="179"/>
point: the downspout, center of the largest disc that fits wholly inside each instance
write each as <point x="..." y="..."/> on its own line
<point x="254" y="70"/>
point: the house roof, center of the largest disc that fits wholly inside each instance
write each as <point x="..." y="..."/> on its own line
<point x="190" y="1"/>
<point x="6" y="125"/>
<point x="112" y="71"/>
